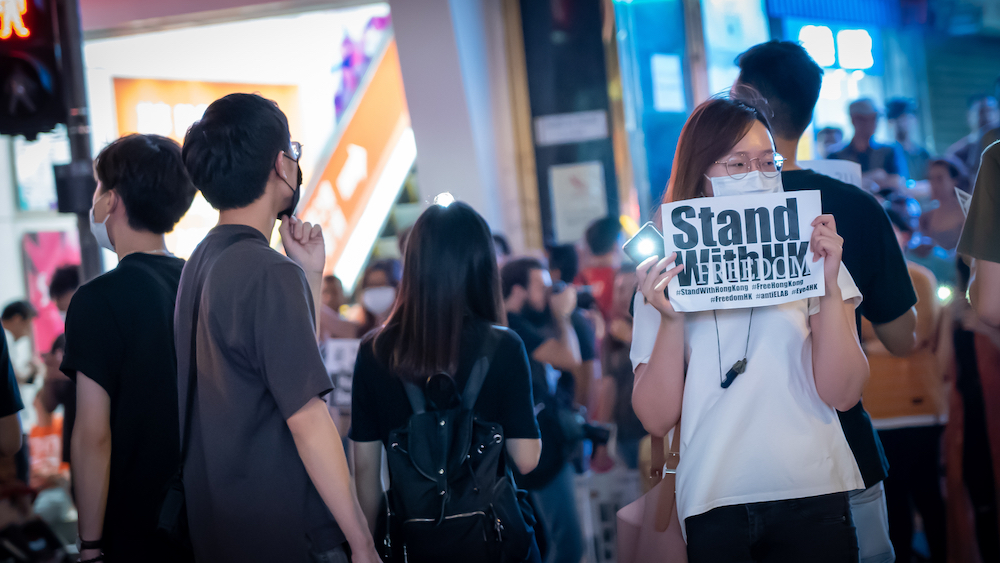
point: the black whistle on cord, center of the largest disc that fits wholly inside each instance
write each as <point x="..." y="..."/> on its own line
<point x="738" y="368"/>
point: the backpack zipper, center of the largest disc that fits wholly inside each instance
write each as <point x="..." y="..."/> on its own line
<point x="452" y="517"/>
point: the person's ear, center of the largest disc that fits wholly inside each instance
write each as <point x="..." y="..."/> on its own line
<point x="114" y="200"/>
<point x="279" y="166"/>
<point x="518" y="293"/>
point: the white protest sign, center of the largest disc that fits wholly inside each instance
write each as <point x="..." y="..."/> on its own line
<point x="743" y="251"/>
<point x="964" y="200"/>
<point x="339" y="355"/>
<point x="843" y="170"/>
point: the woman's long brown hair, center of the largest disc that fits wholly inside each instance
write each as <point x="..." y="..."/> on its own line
<point x="713" y="129"/>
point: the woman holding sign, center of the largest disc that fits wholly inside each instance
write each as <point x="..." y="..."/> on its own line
<point x="764" y="467"/>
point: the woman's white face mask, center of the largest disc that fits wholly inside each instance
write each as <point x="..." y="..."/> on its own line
<point x="752" y="183"/>
<point x="378" y="300"/>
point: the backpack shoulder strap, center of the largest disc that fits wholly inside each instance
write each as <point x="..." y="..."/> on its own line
<point x="481" y="368"/>
<point x="416" y="396"/>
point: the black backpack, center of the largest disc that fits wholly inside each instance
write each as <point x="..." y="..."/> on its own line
<point x="452" y="495"/>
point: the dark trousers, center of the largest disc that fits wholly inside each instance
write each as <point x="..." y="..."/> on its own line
<point x="338" y="555"/>
<point x="914" y="485"/>
<point x="814" y="529"/>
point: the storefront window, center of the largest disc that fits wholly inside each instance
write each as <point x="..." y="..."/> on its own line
<point x="310" y="63"/>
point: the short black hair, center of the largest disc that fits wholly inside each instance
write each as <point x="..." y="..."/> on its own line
<point x="501" y="244"/>
<point x="602" y="235"/>
<point x="59" y="344"/>
<point x="64" y="280"/>
<point x="19" y="309"/>
<point x="392" y="268"/>
<point x="518" y="273"/>
<point x="788" y="78"/>
<point x="897" y="107"/>
<point x="230" y="151"/>
<point x="564" y="258"/>
<point x="147" y="172"/>
<point x="898" y="221"/>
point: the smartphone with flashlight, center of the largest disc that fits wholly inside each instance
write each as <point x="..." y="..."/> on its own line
<point x="646" y="243"/>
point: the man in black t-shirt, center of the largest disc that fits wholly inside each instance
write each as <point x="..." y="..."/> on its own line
<point x="526" y="292"/>
<point x="787" y="77"/>
<point x="265" y="477"/>
<point x="120" y="353"/>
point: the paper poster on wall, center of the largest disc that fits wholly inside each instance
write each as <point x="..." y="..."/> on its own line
<point x="668" y="83"/>
<point x="843" y="170"/>
<point x="578" y="198"/>
<point x="575" y="127"/>
<point x="743" y="251"/>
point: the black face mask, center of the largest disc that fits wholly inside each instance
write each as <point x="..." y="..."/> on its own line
<point x="296" y="193"/>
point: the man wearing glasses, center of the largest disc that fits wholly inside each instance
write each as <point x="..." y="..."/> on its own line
<point x="265" y="476"/>
<point x="790" y="81"/>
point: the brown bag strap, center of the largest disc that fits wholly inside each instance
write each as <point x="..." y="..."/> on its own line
<point x="667" y="499"/>
<point x="659" y="457"/>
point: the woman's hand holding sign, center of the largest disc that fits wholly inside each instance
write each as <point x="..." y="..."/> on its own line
<point x="827" y="244"/>
<point x="653" y="282"/>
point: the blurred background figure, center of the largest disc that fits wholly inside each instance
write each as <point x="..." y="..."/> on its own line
<point x="983" y="116"/>
<point x="17" y="319"/>
<point x="601" y="261"/>
<point x="828" y="139"/>
<point x="377" y="292"/>
<point x="58" y="390"/>
<point x="553" y="347"/>
<point x="882" y="166"/>
<point x="908" y="402"/>
<point x="943" y="222"/>
<point x="977" y="357"/>
<point x="615" y="394"/>
<point x="63" y="285"/>
<point x="902" y="116"/>
<point x="332" y="322"/>
<point x="588" y="323"/>
<point x="502" y="249"/>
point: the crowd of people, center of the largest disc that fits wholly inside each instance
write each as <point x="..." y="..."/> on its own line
<point x="238" y="406"/>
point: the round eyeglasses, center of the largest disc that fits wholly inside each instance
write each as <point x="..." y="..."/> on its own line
<point x="739" y="166"/>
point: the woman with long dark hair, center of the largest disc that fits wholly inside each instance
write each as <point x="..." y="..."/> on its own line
<point x="448" y="306"/>
<point x="764" y="469"/>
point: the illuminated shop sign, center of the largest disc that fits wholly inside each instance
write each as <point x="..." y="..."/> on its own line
<point x="840" y="46"/>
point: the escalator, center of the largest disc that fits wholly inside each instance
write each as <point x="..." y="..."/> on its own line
<point x="362" y="172"/>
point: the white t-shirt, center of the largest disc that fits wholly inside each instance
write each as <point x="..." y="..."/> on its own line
<point x="768" y="436"/>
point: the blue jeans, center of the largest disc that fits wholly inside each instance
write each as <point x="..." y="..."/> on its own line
<point x="871" y="518"/>
<point x="556" y="507"/>
<point x="815" y="529"/>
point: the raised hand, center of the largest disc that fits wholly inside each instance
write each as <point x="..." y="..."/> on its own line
<point x="653" y="280"/>
<point x="826" y="243"/>
<point x="304" y="244"/>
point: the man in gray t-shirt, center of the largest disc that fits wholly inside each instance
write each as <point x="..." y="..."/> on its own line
<point x="265" y="475"/>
